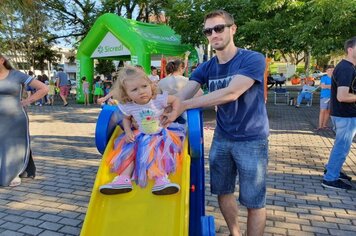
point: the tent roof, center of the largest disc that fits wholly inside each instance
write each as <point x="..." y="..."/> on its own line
<point x="135" y="36"/>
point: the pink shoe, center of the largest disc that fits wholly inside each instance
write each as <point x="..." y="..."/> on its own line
<point x="120" y="184"/>
<point x="163" y="186"/>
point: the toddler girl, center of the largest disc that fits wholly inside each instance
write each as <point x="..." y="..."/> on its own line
<point x="151" y="151"/>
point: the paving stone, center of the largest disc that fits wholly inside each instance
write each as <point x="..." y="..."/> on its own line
<point x="11" y="233"/>
<point x="51" y="218"/>
<point x="50" y="233"/>
<point x="70" y="230"/>
<point x="314" y="229"/>
<point x="70" y="222"/>
<point x="56" y="201"/>
<point x="32" y="222"/>
<point x="11" y="226"/>
<point x="341" y="232"/>
<point x="29" y="230"/>
<point x="50" y="226"/>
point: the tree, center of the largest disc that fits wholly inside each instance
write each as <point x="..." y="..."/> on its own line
<point x="24" y="33"/>
<point x="293" y="28"/>
<point x="104" y="67"/>
<point x="71" y="19"/>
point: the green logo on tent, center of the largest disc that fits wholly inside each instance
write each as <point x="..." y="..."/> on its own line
<point x="100" y="49"/>
<point x="106" y="49"/>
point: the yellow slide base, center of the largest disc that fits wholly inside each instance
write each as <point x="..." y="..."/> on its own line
<point x="138" y="212"/>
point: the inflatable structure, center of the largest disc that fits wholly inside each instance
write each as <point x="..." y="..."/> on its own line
<point x="116" y="38"/>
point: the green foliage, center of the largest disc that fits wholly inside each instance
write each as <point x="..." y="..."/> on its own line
<point x="24" y="33"/>
<point x="289" y="27"/>
<point x="104" y="67"/>
<point x="282" y="28"/>
<point x="71" y="19"/>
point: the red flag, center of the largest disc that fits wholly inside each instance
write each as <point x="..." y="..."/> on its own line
<point x="163" y="67"/>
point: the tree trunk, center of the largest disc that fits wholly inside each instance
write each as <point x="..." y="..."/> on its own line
<point x="307" y="61"/>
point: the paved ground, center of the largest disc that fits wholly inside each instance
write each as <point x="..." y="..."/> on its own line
<point x="67" y="160"/>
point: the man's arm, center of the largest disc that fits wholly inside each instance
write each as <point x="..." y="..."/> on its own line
<point x="343" y="95"/>
<point x="189" y="90"/>
<point x="238" y="85"/>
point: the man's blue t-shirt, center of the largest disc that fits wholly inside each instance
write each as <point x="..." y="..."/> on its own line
<point x="344" y="75"/>
<point x="244" y="119"/>
<point x="325" y="92"/>
<point x="63" y="78"/>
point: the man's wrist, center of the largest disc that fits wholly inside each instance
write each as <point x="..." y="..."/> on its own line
<point x="185" y="105"/>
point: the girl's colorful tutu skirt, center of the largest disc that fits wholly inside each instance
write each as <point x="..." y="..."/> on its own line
<point x="154" y="155"/>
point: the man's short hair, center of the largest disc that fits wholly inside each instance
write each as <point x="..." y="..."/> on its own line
<point x="350" y="43"/>
<point x="229" y="19"/>
<point x="60" y="69"/>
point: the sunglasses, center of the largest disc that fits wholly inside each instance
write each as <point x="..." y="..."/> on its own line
<point x="217" y="28"/>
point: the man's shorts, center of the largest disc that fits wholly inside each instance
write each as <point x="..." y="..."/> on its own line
<point x="64" y="90"/>
<point x="246" y="159"/>
<point x="325" y="103"/>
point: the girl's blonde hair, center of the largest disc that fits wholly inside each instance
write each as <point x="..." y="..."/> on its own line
<point x="126" y="73"/>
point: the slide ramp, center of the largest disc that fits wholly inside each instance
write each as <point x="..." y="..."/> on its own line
<point x="138" y="212"/>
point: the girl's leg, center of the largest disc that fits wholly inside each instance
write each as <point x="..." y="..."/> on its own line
<point x="120" y="184"/>
<point x="128" y="171"/>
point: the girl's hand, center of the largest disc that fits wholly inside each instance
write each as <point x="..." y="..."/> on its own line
<point x="129" y="137"/>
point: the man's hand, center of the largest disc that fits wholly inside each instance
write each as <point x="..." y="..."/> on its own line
<point x="171" y="113"/>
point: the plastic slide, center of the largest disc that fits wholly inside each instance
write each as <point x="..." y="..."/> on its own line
<point x="138" y="212"/>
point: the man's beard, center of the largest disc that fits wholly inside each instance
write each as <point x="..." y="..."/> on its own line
<point x="222" y="47"/>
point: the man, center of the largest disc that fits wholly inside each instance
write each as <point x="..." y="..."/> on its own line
<point x="343" y="116"/>
<point x="280" y="80"/>
<point x="325" y="85"/>
<point x="240" y="146"/>
<point x="62" y="83"/>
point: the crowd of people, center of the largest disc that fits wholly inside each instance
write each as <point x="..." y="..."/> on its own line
<point x="235" y="80"/>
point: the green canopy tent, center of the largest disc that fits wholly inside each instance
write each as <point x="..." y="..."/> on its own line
<point x="117" y="38"/>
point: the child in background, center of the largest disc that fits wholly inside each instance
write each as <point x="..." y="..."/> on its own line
<point x="154" y="75"/>
<point x="150" y="152"/>
<point x="107" y="90"/>
<point x="98" y="89"/>
<point x="85" y="87"/>
<point x="51" y="92"/>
